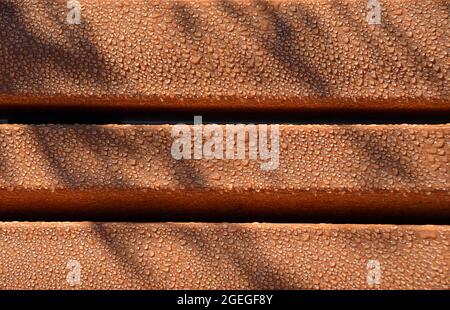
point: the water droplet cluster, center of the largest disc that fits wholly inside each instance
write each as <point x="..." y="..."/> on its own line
<point x="315" y="158"/>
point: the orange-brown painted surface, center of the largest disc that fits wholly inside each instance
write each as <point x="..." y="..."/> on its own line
<point x="336" y="171"/>
<point x="222" y="256"/>
<point x="278" y="54"/>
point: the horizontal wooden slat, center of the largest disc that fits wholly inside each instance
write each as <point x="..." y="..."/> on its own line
<point x="276" y="54"/>
<point x="336" y="171"/>
<point x="222" y="256"/>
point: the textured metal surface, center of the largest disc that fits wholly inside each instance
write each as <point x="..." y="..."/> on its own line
<point x="318" y="58"/>
<point x="371" y="171"/>
<point x="302" y="54"/>
<point x="222" y="256"/>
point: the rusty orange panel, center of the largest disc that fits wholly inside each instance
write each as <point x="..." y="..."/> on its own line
<point x="87" y="255"/>
<point x="342" y="171"/>
<point x="275" y="54"/>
